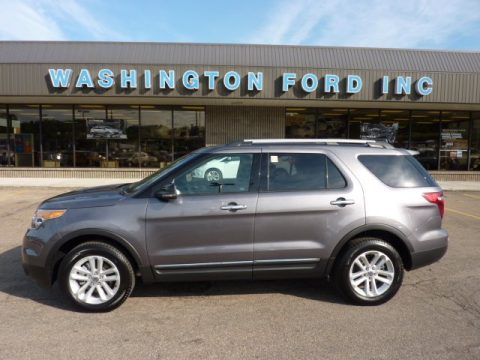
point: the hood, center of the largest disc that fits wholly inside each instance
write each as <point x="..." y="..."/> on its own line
<point x="90" y="197"/>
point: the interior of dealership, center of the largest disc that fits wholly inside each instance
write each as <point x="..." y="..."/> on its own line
<point x="152" y="136"/>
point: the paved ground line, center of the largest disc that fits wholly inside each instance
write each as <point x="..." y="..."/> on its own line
<point x="472" y="196"/>
<point x="7" y="194"/>
<point x="463" y="213"/>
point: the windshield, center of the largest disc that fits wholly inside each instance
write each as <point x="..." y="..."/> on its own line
<point x="144" y="183"/>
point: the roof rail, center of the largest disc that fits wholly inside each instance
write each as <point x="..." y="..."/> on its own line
<point x="370" y="143"/>
<point x="307" y="141"/>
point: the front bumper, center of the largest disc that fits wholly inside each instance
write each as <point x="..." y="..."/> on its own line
<point x="34" y="263"/>
<point x="39" y="274"/>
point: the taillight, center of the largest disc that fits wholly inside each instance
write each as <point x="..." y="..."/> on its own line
<point x="438" y="199"/>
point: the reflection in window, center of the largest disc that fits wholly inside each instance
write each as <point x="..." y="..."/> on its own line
<point x="219" y="174"/>
<point x="425" y="134"/>
<point x="475" y="145"/>
<point x="156" y="134"/>
<point x="391" y="126"/>
<point x="6" y="145"/>
<point x="3" y="119"/>
<point x="395" y="124"/>
<point x="25" y="130"/>
<point x="454" y="140"/>
<point x="363" y="124"/>
<point x="90" y="147"/>
<point x="57" y="136"/>
<point x="300" y="123"/>
<point x="123" y="147"/>
<point x="189" y="133"/>
<point x="332" y="123"/>
<point x="397" y="171"/>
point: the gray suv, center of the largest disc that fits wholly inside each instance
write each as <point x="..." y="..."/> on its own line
<point x="358" y="212"/>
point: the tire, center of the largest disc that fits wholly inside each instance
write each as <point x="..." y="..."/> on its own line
<point x="117" y="276"/>
<point x="213" y="175"/>
<point x="369" y="272"/>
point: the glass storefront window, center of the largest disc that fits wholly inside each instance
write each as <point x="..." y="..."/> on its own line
<point x="156" y="133"/>
<point x="153" y="136"/>
<point x="3" y="120"/>
<point x="300" y="123"/>
<point x="57" y="136"/>
<point x="362" y="124"/>
<point x="454" y="140"/>
<point x="425" y="137"/>
<point x="25" y="133"/>
<point x="90" y="145"/>
<point x="5" y="142"/>
<point x="475" y="143"/>
<point x="396" y="124"/>
<point x="122" y="146"/>
<point x="189" y="130"/>
<point x="391" y="126"/>
<point x="332" y="123"/>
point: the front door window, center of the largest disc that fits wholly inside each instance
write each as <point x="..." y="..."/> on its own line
<point x="222" y="173"/>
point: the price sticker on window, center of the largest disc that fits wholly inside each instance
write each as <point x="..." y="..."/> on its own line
<point x="273" y="158"/>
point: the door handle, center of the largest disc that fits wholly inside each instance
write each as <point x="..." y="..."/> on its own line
<point x="233" y="207"/>
<point x="342" y="202"/>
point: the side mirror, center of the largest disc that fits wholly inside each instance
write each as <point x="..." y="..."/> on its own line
<point x="168" y="192"/>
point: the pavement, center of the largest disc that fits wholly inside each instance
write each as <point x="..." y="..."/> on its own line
<point x="435" y="315"/>
<point x="80" y="183"/>
<point x="460" y="185"/>
<point x="61" y="182"/>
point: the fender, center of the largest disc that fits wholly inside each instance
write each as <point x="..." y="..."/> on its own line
<point x="362" y="229"/>
<point x="144" y="268"/>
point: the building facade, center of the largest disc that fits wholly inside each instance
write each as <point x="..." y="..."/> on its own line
<point x="95" y="104"/>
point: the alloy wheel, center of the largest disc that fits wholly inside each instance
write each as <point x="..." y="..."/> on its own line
<point x="94" y="280"/>
<point x="371" y="274"/>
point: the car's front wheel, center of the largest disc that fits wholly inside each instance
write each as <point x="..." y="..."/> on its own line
<point x="96" y="276"/>
<point x="369" y="272"/>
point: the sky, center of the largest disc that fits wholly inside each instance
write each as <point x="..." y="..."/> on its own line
<point x="419" y="24"/>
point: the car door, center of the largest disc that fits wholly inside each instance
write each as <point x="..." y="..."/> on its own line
<point x="207" y="231"/>
<point x="302" y="213"/>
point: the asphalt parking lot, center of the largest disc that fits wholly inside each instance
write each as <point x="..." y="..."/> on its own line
<point x="436" y="314"/>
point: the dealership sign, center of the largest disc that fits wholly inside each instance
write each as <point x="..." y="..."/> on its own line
<point x="231" y="81"/>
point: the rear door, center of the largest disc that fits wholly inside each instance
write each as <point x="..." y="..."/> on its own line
<point x="307" y="203"/>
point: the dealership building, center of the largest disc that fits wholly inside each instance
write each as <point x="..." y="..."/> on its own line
<point x="142" y="105"/>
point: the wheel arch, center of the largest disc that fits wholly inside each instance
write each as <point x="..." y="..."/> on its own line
<point x="387" y="233"/>
<point x="79" y="237"/>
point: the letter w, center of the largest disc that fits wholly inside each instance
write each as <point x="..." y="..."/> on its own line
<point x="60" y="77"/>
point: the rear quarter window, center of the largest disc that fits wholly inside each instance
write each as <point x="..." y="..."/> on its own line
<point x="398" y="171"/>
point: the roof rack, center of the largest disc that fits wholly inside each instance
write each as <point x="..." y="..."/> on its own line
<point x="370" y="143"/>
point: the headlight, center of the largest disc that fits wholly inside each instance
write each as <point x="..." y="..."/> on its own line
<point x="43" y="215"/>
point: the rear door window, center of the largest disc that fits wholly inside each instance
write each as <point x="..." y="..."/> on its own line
<point x="398" y="171"/>
<point x="302" y="172"/>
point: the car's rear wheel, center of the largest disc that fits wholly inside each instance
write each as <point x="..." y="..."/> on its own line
<point x="370" y="271"/>
<point x="96" y="276"/>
